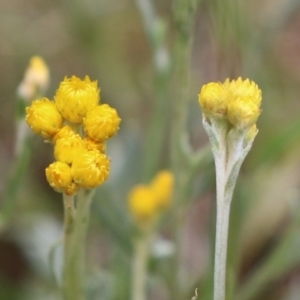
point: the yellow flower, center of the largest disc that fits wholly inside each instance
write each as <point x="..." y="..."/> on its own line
<point x="36" y="79"/>
<point x="163" y="185"/>
<point x="75" y="97"/>
<point x="242" y="112"/>
<point x="143" y="203"/>
<point x="243" y="88"/>
<point x="65" y="131"/>
<point x="101" y="122"/>
<point x="212" y="99"/>
<point x="90" y="144"/>
<point x="43" y="118"/>
<point x="60" y="179"/>
<point x="90" y="168"/>
<point x="67" y="148"/>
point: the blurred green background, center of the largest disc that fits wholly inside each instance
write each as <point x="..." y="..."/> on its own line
<point x="107" y="41"/>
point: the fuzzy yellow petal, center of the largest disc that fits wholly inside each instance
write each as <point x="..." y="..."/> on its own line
<point x="90" y="168"/>
<point x="67" y="148"/>
<point x="60" y="179"/>
<point x="212" y="99"/>
<point x="75" y="97"/>
<point x="243" y="112"/>
<point x="143" y="203"/>
<point x="163" y="185"/>
<point x="101" y="123"/>
<point x="243" y="88"/>
<point x="43" y="117"/>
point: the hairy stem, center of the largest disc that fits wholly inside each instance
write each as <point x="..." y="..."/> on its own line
<point x="75" y="227"/>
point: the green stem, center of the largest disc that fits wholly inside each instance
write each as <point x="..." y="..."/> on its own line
<point x="75" y="228"/>
<point x="156" y="31"/>
<point x="139" y="267"/>
<point x="184" y="11"/>
<point x="12" y="187"/>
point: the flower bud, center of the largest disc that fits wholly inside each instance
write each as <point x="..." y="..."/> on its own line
<point x="101" y="123"/>
<point x="43" y="118"/>
<point x="75" y="97"/>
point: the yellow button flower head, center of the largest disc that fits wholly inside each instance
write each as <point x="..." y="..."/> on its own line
<point x="43" y="118"/>
<point x="60" y="179"/>
<point x="90" y="168"/>
<point x="90" y="144"/>
<point x="101" y="122"/>
<point x="212" y="99"/>
<point x="65" y="131"/>
<point x="67" y="148"/>
<point x="75" y="97"/>
<point x="163" y="185"/>
<point x="243" y="88"/>
<point x="143" y="203"/>
<point x="242" y="112"/>
<point x="238" y="101"/>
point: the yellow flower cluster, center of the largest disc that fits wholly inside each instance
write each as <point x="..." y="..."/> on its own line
<point x="238" y="101"/>
<point x="80" y="156"/>
<point x="147" y="201"/>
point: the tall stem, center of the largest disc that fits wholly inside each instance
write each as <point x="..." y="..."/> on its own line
<point x="139" y="267"/>
<point x="223" y="211"/>
<point x="156" y="31"/>
<point x="184" y="11"/>
<point x="75" y="227"/>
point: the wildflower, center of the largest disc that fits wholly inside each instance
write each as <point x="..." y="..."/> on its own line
<point x="101" y="122"/>
<point x="75" y="97"/>
<point x="90" y="168"/>
<point x="44" y="118"/>
<point x="238" y="101"/>
<point x="80" y="158"/>
<point x="212" y="99"/>
<point x="163" y="185"/>
<point x="242" y="112"/>
<point x="142" y="203"/>
<point x="146" y="202"/>
<point x="65" y="131"/>
<point x="60" y="179"/>
<point x="36" y="79"/>
<point x="67" y="148"/>
<point x="244" y="88"/>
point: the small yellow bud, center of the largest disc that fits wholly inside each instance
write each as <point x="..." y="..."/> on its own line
<point x="143" y="203"/>
<point x="36" y="79"/>
<point x="90" y="168"/>
<point x="67" y="148"/>
<point x="44" y="118"/>
<point x="59" y="177"/>
<point x="90" y="144"/>
<point x="101" y="122"/>
<point x="75" y="97"/>
<point x="243" y="88"/>
<point x="212" y="99"/>
<point x="65" y="131"/>
<point x="242" y="112"/>
<point x="163" y="185"/>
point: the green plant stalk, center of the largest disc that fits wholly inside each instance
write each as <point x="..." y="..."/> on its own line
<point x="156" y="31"/>
<point x="75" y="228"/>
<point x="183" y="12"/>
<point x="139" y="266"/>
